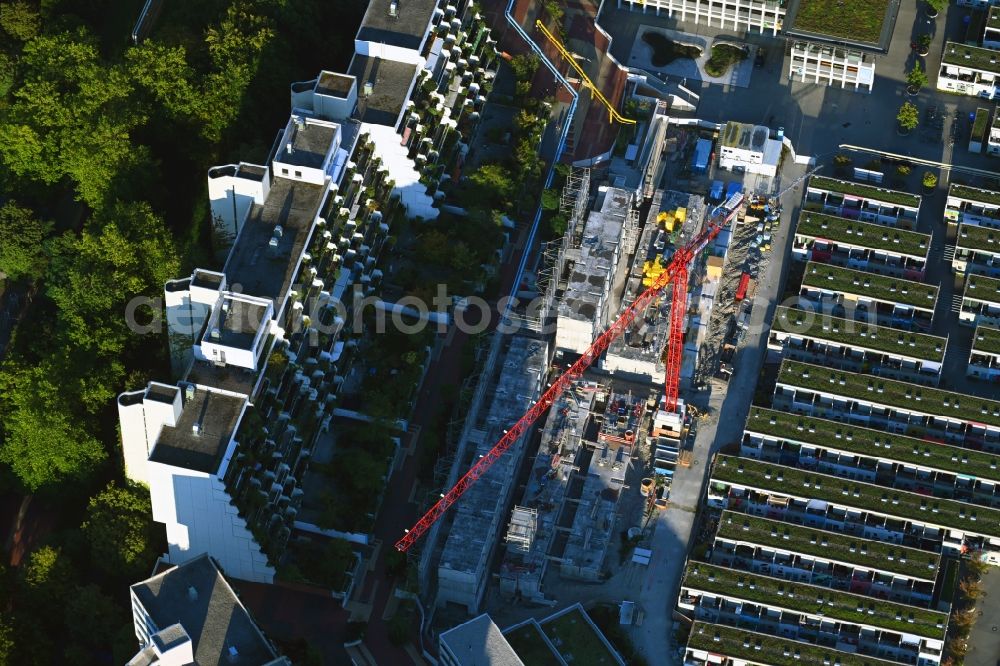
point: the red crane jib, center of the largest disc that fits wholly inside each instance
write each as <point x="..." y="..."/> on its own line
<point x="676" y="270"/>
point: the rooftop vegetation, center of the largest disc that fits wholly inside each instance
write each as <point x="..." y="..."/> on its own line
<point x="862" y="234"/>
<point x="868" y="192"/>
<point x="870" y="285"/>
<point x="980" y="239"/>
<point x="859" y="335"/>
<point x="982" y="288"/>
<point x="577" y="640"/>
<point x="530" y="645"/>
<point x="975" y="193"/>
<point x="789" y="481"/>
<point x="814" y="600"/>
<point x="766" y="649"/>
<point x="980" y="124"/>
<point x="971" y="57"/>
<point x="889" y="392"/>
<point x="986" y="340"/>
<point x="871" y="443"/>
<point x="867" y="553"/>
<point x="857" y="20"/>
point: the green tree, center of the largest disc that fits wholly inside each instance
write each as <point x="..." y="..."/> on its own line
<point x="550" y="199"/>
<point x="47" y="581"/>
<point x="119" y="530"/>
<point x="937" y="5"/>
<point x="524" y="66"/>
<point x="6" y="640"/>
<point x="493" y="186"/>
<point x="930" y="180"/>
<point x="904" y="169"/>
<point x="21" y="238"/>
<point x="93" y="618"/>
<point x="20" y="20"/>
<point x="908" y="117"/>
<point x="45" y="443"/>
<point x="916" y="78"/>
<point x="71" y="117"/>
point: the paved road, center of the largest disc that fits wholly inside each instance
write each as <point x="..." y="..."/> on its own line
<point x="728" y="411"/>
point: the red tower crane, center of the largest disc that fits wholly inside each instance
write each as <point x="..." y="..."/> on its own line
<point x="676" y="271"/>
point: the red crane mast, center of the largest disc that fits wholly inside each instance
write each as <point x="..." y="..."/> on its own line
<point x="676" y="271"/>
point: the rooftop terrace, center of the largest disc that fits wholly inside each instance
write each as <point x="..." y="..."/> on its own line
<point x="980" y="239"/>
<point x="531" y="646"/>
<point x="862" y="234"/>
<point x="870" y="285"/>
<point x="237" y="321"/>
<point x="862" y="191"/>
<point x="867" y="442"/>
<point x="982" y="288"/>
<point x="757" y="648"/>
<point x="814" y="487"/>
<point x="199" y="440"/>
<point x="972" y="57"/>
<point x="214" y="618"/>
<point x="577" y="639"/>
<point x="862" y="553"/>
<point x="334" y="84"/>
<point x="902" y="395"/>
<point x="986" y="340"/>
<point x="400" y="23"/>
<point x="859" y="335"/>
<point x="974" y="193"/>
<point x="253" y="266"/>
<point x="389" y="82"/>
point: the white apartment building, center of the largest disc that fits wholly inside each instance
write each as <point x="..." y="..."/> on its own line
<point x="977" y="250"/>
<point x="261" y="348"/>
<point x="866" y="203"/>
<point x="991" y="33"/>
<point x="828" y="64"/>
<point x="969" y="70"/>
<point x="188" y="614"/>
<point x="980" y="302"/>
<point x="874" y="248"/>
<point x="984" y="357"/>
<point x="750" y="148"/>
<point x="760" y="16"/>
<point x="973" y="206"/>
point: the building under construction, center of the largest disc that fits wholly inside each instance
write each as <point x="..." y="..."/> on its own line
<point x="567" y="515"/>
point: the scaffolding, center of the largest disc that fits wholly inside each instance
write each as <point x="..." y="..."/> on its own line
<point x="521" y="529"/>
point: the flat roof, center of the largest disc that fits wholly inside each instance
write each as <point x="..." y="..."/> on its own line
<point x="253" y="267"/>
<point x="212" y="615"/>
<point x="986" y="340"/>
<point x="863" y="23"/>
<point x="852" y="550"/>
<point x="390" y="87"/>
<point x="531" y="644"/>
<point x="757" y="648"/>
<point x="576" y="638"/>
<point x="310" y="141"/>
<point x="870" y="285"/>
<point x="824" y="488"/>
<point x="863" y="234"/>
<point x="859" y="335"/>
<point x="334" y="84"/>
<point x="862" y="191"/>
<point x="406" y="29"/>
<point x="815" y="600"/>
<point x="982" y="288"/>
<point x="227" y="377"/>
<point x="237" y="320"/>
<point x="971" y="57"/>
<point x="479" y="642"/>
<point x="216" y="416"/>
<point x="889" y="392"/>
<point x="994" y="17"/>
<point x="980" y="239"/>
<point x="866" y="442"/>
<point x="975" y="193"/>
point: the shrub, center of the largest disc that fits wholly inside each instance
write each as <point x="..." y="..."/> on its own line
<point x="904" y="169"/>
<point x="908" y="118"/>
<point x="930" y="179"/>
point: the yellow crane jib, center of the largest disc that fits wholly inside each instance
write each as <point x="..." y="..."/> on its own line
<point x="613" y="114"/>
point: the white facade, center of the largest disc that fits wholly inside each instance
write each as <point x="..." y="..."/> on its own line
<point x="750" y="148"/>
<point x="832" y="65"/>
<point x="195" y="508"/>
<point x="296" y="161"/>
<point x="760" y="16"/>
<point x="969" y="70"/>
<point x="142" y="416"/>
<point x="232" y="190"/>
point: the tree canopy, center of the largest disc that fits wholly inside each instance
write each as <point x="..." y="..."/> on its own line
<point x="22" y="235"/>
<point x="118" y="530"/>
